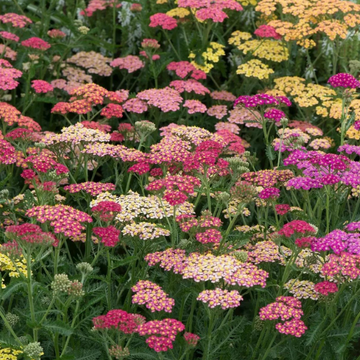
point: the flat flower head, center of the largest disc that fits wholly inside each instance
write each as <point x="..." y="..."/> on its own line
<point x="344" y="80"/>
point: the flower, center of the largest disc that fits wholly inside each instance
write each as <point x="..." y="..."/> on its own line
<point x="289" y="310"/>
<point x="131" y="63"/>
<point x="56" y="34"/>
<point x="90" y="187"/>
<point x="167" y="329"/>
<point x="36" y="43"/>
<point x="109" y="236"/>
<point x="191" y="339"/>
<point x="269" y="193"/>
<point x="166" y="22"/>
<point x="9" y="36"/>
<point x="296" y="227"/>
<point x="15" y="20"/>
<point x="326" y="288"/>
<point x="119" y="320"/>
<point x="255" y="68"/>
<point x="218" y="297"/>
<point x="267" y="31"/>
<point x="41" y="86"/>
<point x="65" y="219"/>
<point x="151" y="294"/>
<point x="344" y="80"/>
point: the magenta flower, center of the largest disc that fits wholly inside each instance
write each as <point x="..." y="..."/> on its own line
<point x="344" y="80"/>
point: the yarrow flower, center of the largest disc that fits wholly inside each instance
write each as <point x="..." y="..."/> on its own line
<point x="344" y="80"/>
<point x="274" y="114"/>
<point x="41" y="86"/>
<point x="131" y="63"/>
<point x="119" y="320"/>
<point x="288" y="309"/>
<point x="209" y="236"/>
<point x="65" y="219"/>
<point x="296" y="227"/>
<point x="90" y="187"/>
<point x="36" y="43"/>
<point x="261" y="100"/>
<point x="15" y="20"/>
<point x="326" y="288"/>
<point x="150" y="294"/>
<point x="282" y="209"/>
<point x="167" y="329"/>
<point x="218" y="297"/>
<point x="145" y="230"/>
<point x="269" y="193"/>
<point x="56" y="34"/>
<point x="30" y="234"/>
<point x="191" y="339"/>
<point x="9" y="36"/>
<point x="166" y="22"/>
<point x="267" y="31"/>
<point x="109" y="236"/>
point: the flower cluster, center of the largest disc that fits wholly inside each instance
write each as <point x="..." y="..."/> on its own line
<point x="296" y="227"/>
<point x="288" y="309"/>
<point x="109" y="236"/>
<point x="344" y="80"/>
<point x="145" y="230"/>
<point x="326" y="288"/>
<point x="218" y="297"/>
<point x="65" y="219"/>
<point x="90" y="187"/>
<point x="177" y="188"/>
<point x="30" y="234"/>
<point x="150" y="294"/>
<point x="302" y="289"/>
<point x="119" y="320"/>
<point x="106" y="210"/>
<point x="167" y="330"/>
<point x="135" y="207"/>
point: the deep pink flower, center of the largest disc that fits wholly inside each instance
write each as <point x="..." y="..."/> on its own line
<point x="166" y="22"/>
<point x="344" y="80"/>
<point x="36" y="43"/>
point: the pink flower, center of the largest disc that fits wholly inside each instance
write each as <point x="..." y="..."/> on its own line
<point x="282" y="209"/>
<point x="9" y="36"/>
<point x="194" y="106"/>
<point x="152" y="296"/>
<point x="16" y="20"/>
<point x="112" y="110"/>
<point x="119" y="320"/>
<point x="131" y="63"/>
<point x="36" y="43"/>
<point x="274" y="114"/>
<point x="269" y="193"/>
<point x="296" y="226"/>
<point x="109" y="236"/>
<point x="191" y="339"/>
<point x="166" y="22"/>
<point x="326" y="288"/>
<point x="56" y="33"/>
<point x="344" y="80"/>
<point x="267" y="31"/>
<point x="218" y="297"/>
<point x="41" y="86"/>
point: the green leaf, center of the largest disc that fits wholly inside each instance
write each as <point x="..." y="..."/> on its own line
<point x="58" y="327"/>
<point x="270" y="153"/>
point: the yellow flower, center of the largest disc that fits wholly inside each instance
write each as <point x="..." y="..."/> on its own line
<point x="265" y="49"/>
<point x="9" y="354"/>
<point x="178" y="12"/>
<point x="255" y="68"/>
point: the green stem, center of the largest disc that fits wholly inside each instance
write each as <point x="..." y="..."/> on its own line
<point x="30" y="295"/>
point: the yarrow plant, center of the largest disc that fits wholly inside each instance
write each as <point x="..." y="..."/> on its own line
<point x="179" y="180"/>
